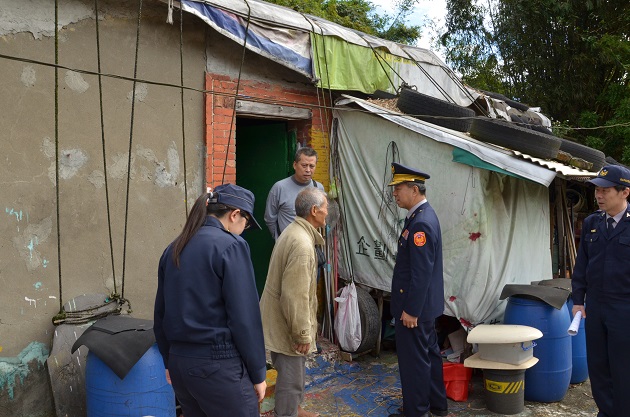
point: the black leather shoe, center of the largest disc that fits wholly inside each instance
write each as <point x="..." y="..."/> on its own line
<point x="441" y="413"/>
<point x="402" y="415"/>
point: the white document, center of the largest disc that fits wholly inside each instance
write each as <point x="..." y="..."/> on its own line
<point x="575" y="324"/>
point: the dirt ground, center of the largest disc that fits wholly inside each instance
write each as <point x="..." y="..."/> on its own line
<point x="370" y="386"/>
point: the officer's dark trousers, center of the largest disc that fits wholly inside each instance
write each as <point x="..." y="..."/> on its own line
<point x="212" y="387"/>
<point x="607" y="343"/>
<point x="420" y="367"/>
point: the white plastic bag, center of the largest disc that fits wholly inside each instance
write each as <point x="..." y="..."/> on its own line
<point x="348" y="320"/>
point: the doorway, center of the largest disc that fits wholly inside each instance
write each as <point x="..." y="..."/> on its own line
<point x="264" y="155"/>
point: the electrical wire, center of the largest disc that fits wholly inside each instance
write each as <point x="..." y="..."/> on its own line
<point x="274" y="101"/>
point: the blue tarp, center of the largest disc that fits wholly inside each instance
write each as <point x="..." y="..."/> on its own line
<point x="286" y="46"/>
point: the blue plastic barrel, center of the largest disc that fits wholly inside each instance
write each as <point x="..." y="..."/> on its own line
<point x="578" y="346"/>
<point x="143" y="392"/>
<point x="548" y="380"/>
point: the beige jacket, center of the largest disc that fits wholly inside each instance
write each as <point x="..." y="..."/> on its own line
<point x="289" y="301"/>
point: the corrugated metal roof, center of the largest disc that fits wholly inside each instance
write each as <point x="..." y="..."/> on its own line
<point x="535" y="169"/>
<point x="565" y="171"/>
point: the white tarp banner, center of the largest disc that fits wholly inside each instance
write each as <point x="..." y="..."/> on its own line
<point x="495" y="227"/>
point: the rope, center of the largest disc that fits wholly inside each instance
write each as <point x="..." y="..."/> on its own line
<point x="336" y="167"/>
<point x="435" y="83"/>
<point x="100" y="96"/>
<point x="442" y="90"/>
<point x="456" y="80"/>
<point x="254" y="99"/>
<point x="57" y="152"/>
<point x="326" y="65"/>
<point x="92" y="313"/>
<point x="327" y="326"/>
<point x="238" y="85"/>
<point x="133" y="103"/>
<point x="379" y="59"/>
<point x="317" y="62"/>
<point x="395" y="157"/>
<point x="181" y="71"/>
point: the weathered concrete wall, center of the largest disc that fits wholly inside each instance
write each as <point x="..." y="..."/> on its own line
<point x="30" y="286"/>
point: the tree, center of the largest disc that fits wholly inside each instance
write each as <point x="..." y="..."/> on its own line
<point x="570" y="57"/>
<point x="360" y="15"/>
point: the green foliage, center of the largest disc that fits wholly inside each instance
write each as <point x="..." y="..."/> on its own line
<point x="570" y="57"/>
<point x="360" y="15"/>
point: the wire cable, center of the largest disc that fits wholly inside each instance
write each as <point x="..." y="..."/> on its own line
<point x="57" y="152"/>
<point x="238" y="84"/>
<point x="133" y="102"/>
<point x="100" y="96"/>
<point x="181" y="78"/>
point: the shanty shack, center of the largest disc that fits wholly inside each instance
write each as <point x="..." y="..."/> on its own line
<point x="117" y="115"/>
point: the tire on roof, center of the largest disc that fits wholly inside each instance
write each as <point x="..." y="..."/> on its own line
<point x="423" y="107"/>
<point x="577" y="150"/>
<point x="384" y="95"/>
<point x="528" y="124"/>
<point x="612" y="161"/>
<point x="508" y="135"/>
<point x="508" y="101"/>
<point x="497" y="96"/>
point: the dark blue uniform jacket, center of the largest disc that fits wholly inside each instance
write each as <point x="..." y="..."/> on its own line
<point x="603" y="262"/>
<point x="208" y="307"/>
<point x="418" y="282"/>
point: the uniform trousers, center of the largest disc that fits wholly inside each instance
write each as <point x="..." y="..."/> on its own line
<point x="289" y="391"/>
<point x="208" y="387"/>
<point x="607" y="343"/>
<point x="420" y="367"/>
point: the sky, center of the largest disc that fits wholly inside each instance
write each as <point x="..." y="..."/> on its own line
<point x="423" y="10"/>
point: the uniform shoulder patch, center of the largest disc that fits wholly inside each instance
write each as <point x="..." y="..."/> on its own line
<point x="419" y="238"/>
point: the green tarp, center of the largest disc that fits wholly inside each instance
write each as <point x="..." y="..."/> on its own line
<point x="465" y="157"/>
<point x="345" y="66"/>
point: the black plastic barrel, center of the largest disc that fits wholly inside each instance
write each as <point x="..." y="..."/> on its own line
<point x="503" y="390"/>
<point x="143" y="392"/>
<point x="548" y="380"/>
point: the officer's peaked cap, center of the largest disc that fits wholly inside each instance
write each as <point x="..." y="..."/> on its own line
<point x="237" y="197"/>
<point x="611" y="176"/>
<point x="402" y="174"/>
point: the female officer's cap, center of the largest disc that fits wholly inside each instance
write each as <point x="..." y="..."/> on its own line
<point x="402" y="174"/>
<point x="237" y="197"/>
<point x="611" y="176"/>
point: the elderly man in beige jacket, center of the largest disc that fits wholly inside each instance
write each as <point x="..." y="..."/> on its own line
<point x="289" y="301"/>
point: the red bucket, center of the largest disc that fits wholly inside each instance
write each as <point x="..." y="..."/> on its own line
<point x="456" y="380"/>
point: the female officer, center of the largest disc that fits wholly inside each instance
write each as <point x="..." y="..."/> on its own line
<point x="207" y="319"/>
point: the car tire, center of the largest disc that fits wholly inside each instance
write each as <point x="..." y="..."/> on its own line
<point x="508" y="101"/>
<point x="511" y="136"/>
<point x="577" y="150"/>
<point x="384" y="95"/>
<point x="370" y="321"/>
<point x="423" y="107"/>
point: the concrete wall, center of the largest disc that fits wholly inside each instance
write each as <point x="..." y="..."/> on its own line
<point x="31" y="288"/>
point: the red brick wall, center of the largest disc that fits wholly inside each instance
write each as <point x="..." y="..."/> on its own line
<point x="220" y="121"/>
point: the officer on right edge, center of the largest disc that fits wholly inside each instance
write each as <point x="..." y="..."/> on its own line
<point x="601" y="282"/>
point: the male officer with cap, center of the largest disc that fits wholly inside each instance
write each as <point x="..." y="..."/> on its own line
<point x="417" y="297"/>
<point x="601" y="277"/>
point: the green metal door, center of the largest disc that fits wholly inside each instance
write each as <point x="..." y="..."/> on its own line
<point x="262" y="158"/>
